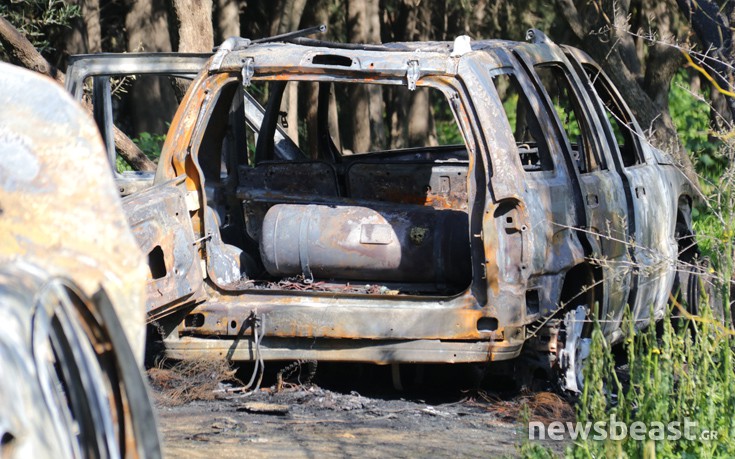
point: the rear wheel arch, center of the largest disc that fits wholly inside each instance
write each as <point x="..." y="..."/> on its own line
<point x="582" y="285"/>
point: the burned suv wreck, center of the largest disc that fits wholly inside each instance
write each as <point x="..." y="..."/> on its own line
<point x="273" y="243"/>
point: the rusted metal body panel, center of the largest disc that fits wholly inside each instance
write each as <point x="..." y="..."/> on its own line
<point x="403" y="182"/>
<point x="159" y="220"/>
<point x="326" y="315"/>
<point x="384" y="351"/>
<point x="550" y="225"/>
<point x="72" y="286"/>
<point x="60" y="208"/>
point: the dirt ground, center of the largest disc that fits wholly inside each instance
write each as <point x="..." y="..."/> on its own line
<point x="310" y="421"/>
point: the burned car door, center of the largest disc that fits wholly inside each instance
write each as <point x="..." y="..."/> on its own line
<point x="601" y="185"/>
<point x="105" y="80"/>
<point x="654" y="189"/>
<point x="159" y="219"/>
<point x="158" y="215"/>
<point x="529" y="231"/>
<point x="104" y="77"/>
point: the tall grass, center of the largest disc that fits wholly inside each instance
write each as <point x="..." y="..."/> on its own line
<point x="680" y="371"/>
<point x="676" y="372"/>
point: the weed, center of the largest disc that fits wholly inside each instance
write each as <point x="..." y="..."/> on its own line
<point x="683" y="372"/>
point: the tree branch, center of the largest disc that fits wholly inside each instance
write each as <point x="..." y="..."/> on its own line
<point x="568" y="10"/>
<point x="714" y="32"/>
<point x="23" y="53"/>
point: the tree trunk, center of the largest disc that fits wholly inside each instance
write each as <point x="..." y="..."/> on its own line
<point x="153" y="101"/>
<point x="421" y="130"/>
<point x="85" y="36"/>
<point x="366" y="131"/>
<point x="316" y="12"/>
<point x="403" y="28"/>
<point x="478" y="17"/>
<point x="194" y="33"/>
<point x="291" y="15"/>
<point x="397" y="114"/>
<point x="146" y="25"/>
<point x="624" y="44"/>
<point x="615" y="57"/>
<point x="663" y="61"/>
<point x="290" y="20"/>
<point x="420" y="121"/>
<point x="24" y="54"/>
<point x="375" y="92"/>
<point x="358" y="130"/>
<point x="194" y="18"/>
<point x="228" y="19"/>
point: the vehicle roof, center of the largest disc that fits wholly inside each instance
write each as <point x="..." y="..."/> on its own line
<point x="435" y="57"/>
<point x="390" y="59"/>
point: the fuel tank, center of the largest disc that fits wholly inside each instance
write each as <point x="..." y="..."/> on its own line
<point x="413" y="244"/>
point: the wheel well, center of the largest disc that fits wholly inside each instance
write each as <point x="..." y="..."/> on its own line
<point x="683" y="231"/>
<point x="582" y="286"/>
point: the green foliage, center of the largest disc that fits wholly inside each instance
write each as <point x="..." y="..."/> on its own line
<point x="447" y="130"/>
<point x="714" y="225"/>
<point x="447" y="133"/>
<point x="712" y="235"/>
<point x="121" y="165"/>
<point x="569" y="122"/>
<point x="530" y="450"/>
<point x="150" y="145"/>
<point x="510" y="104"/>
<point x="40" y="20"/>
<point x="691" y="116"/>
<point x="713" y="158"/>
<point x="683" y="372"/>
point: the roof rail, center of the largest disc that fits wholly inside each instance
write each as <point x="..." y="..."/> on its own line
<point x="234" y="43"/>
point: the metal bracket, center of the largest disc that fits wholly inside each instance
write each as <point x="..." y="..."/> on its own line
<point x="224" y="49"/>
<point x="204" y="238"/>
<point x="248" y="70"/>
<point x="412" y="74"/>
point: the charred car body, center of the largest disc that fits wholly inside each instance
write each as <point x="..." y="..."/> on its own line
<point x="72" y="286"/>
<point x="552" y="208"/>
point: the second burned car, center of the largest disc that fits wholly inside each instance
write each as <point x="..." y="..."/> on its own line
<point x="269" y="240"/>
